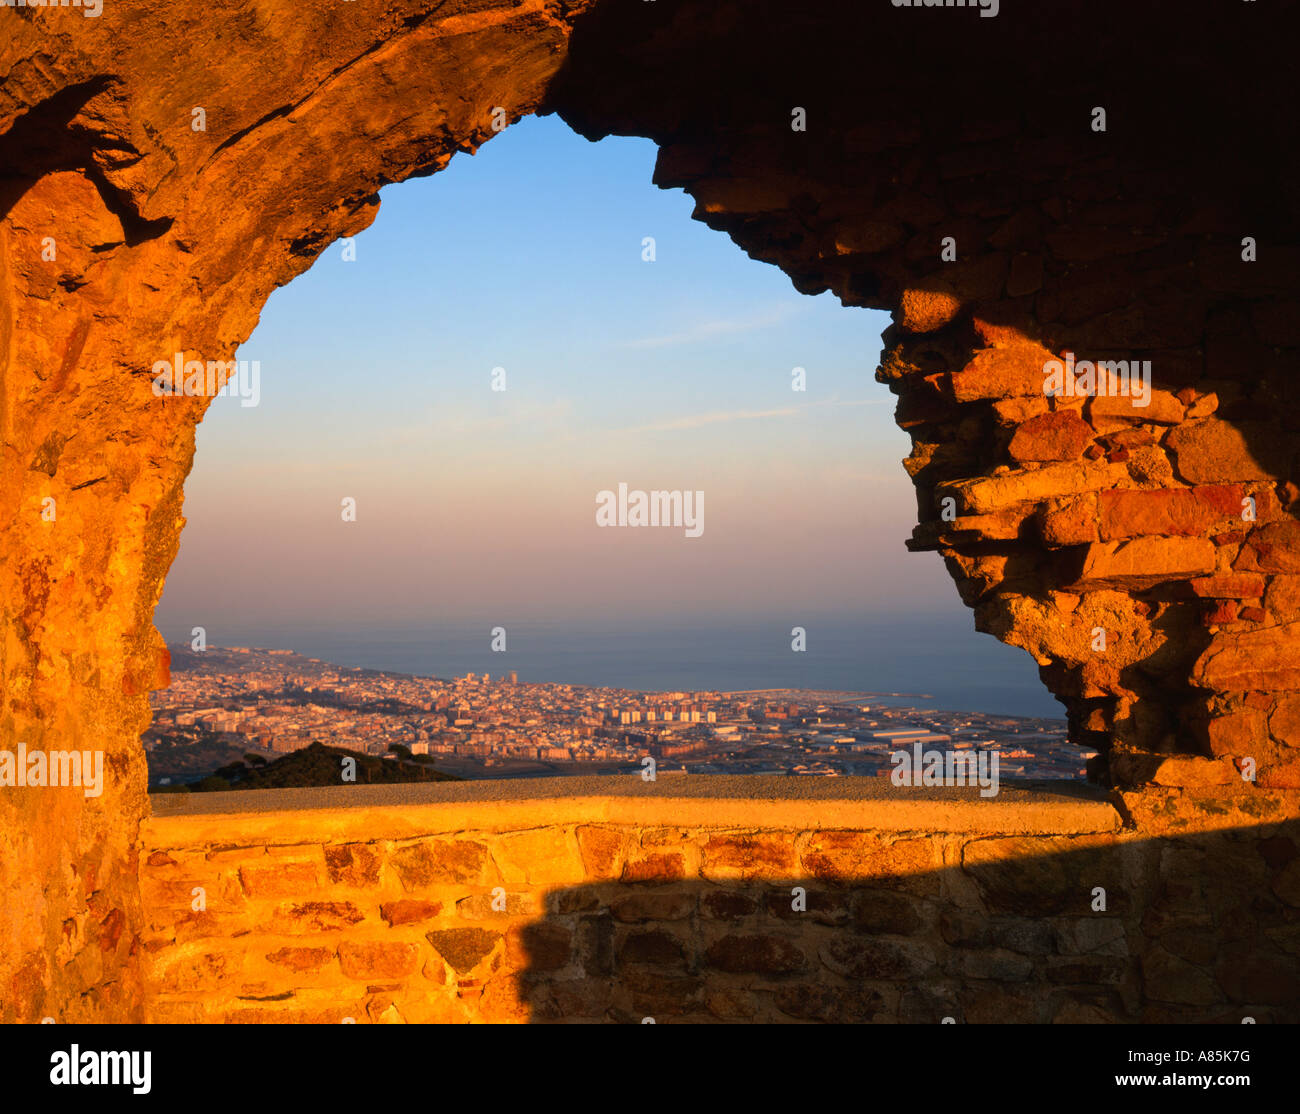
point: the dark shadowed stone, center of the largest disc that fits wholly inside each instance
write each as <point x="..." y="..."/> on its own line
<point x="729" y="1003"/>
<point x="543" y="945"/>
<point x="1089" y="970"/>
<point x="656" y="995"/>
<point x="1085" y="1006"/>
<point x="1043" y="877"/>
<point x="821" y="907"/>
<point x="878" y="911"/>
<point x="837" y="1005"/>
<point x="583" y="998"/>
<point x="596" y="944"/>
<point x="1198" y="944"/>
<point x="746" y="954"/>
<point x="654" y="948"/>
<point x="1097" y="934"/>
<point x="1259" y="975"/>
<point x="860" y="957"/>
<point x="929" y="1004"/>
<point x="1166" y="978"/>
<point x="991" y="963"/>
<point x="581" y="900"/>
<point x="1278" y="851"/>
<point x="986" y="1004"/>
<point x="727" y="905"/>
<point x="652" y="906"/>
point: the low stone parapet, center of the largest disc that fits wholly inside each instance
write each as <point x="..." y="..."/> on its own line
<point x="601" y="899"/>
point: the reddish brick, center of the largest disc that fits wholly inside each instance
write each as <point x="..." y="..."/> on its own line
<point x="200" y="972"/>
<point x="378" y="961"/>
<point x="1277" y="546"/>
<point x="1068" y="521"/>
<point x="1239" y="733"/>
<point x="655" y="868"/>
<point x="852" y="857"/>
<point x="1167" y="511"/>
<point x="301" y="959"/>
<point x="322" y="916"/>
<point x="747" y="856"/>
<point x="1212" y="449"/>
<point x="1003" y="371"/>
<point x="599" y="848"/>
<point x="409" y="911"/>
<point x="1059" y="435"/>
<point x="353" y="864"/>
<point x="1284" y="722"/>
<point x="1127" y="439"/>
<point x="279" y="879"/>
<point x="1235" y="586"/>
<point x="110" y="930"/>
<point x="1223" y="612"/>
<point x="1282" y="598"/>
<point x="442" y="861"/>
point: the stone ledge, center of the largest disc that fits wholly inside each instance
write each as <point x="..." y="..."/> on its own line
<point x="403" y="811"/>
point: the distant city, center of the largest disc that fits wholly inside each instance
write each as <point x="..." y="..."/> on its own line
<point x="224" y="704"/>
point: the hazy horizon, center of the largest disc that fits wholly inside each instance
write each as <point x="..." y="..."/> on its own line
<point x="941" y="656"/>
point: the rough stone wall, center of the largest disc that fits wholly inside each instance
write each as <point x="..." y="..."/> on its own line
<point x="166" y="239"/>
<point x="683" y="922"/>
<point x="128" y="235"/>
<point x="1144" y="555"/>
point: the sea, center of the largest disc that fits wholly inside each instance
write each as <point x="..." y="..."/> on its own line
<point x="930" y="661"/>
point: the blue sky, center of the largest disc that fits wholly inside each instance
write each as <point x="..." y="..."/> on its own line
<point x="479" y="506"/>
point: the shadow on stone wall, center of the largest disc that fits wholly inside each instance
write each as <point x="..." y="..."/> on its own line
<point x="1202" y="929"/>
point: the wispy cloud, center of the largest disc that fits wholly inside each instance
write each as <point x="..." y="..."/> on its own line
<point x="464" y="423"/>
<point x="718" y="417"/>
<point x="722" y="326"/>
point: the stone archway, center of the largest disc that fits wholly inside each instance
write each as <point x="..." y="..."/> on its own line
<point x="167" y="168"/>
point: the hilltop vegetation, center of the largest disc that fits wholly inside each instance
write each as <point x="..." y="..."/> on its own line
<point x="313" y="766"/>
